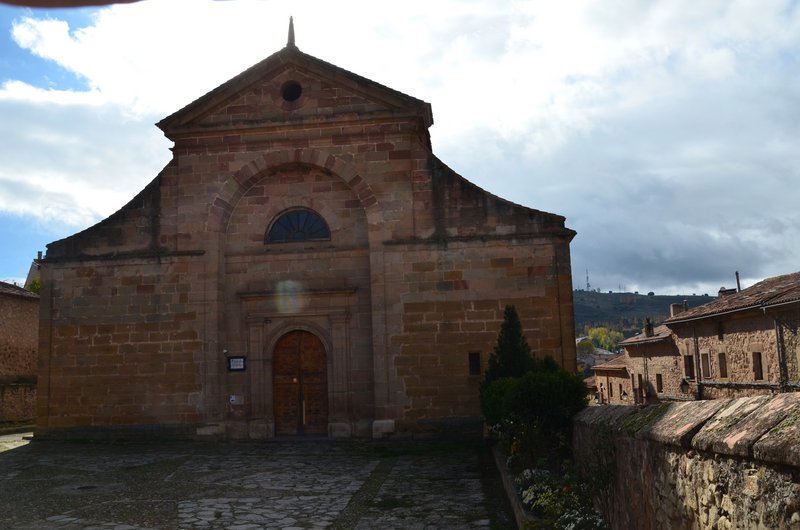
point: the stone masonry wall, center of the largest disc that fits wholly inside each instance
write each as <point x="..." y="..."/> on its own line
<point x="648" y="361"/>
<point x="19" y="316"/>
<point x="719" y="464"/>
<point x="445" y="315"/>
<point x="123" y="343"/>
<point x="736" y="339"/>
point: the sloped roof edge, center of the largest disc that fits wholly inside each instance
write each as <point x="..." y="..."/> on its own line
<point x="559" y="220"/>
<point x="616" y="364"/>
<point x="284" y="56"/>
<point x="660" y="333"/>
<point x="15" y="290"/>
<point x="776" y="290"/>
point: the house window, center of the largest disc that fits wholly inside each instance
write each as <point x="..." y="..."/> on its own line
<point x="659" y="383"/>
<point x="723" y="365"/>
<point x="688" y="366"/>
<point x="758" y="371"/>
<point x="474" y="363"/>
<point x="705" y="366"/>
<point x="720" y="331"/>
<point x="610" y="390"/>
<point x="620" y="389"/>
<point x="297" y="226"/>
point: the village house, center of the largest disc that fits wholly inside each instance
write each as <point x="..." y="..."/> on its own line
<point x="648" y="371"/>
<point x="19" y="337"/>
<point x="610" y="382"/>
<point x="743" y="343"/>
<point x="304" y="265"/>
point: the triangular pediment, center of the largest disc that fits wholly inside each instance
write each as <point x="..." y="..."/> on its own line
<point x="290" y="87"/>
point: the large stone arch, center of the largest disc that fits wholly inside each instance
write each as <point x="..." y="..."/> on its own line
<point x="238" y="183"/>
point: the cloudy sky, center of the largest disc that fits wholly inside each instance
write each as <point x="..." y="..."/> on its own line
<point x="666" y="132"/>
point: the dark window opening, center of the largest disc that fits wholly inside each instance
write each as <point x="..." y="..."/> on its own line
<point x="659" y="383"/>
<point x="723" y="365"/>
<point x="291" y="91"/>
<point x="298" y="225"/>
<point x="474" y="363"/>
<point x="705" y="365"/>
<point x="641" y="393"/>
<point x="758" y="370"/>
<point x="688" y="366"/>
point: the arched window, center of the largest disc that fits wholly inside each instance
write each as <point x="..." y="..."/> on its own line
<point x="298" y="225"/>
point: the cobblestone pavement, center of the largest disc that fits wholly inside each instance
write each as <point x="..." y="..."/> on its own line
<point x="249" y="486"/>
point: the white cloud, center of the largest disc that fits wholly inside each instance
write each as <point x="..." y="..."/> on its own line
<point x="667" y="132"/>
<point x="13" y="90"/>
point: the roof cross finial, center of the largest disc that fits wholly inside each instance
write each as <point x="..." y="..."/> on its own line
<point x="290" y="43"/>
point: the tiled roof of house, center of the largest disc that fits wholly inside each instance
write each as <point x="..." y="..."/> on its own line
<point x="772" y="291"/>
<point x="660" y="333"/>
<point x="618" y="363"/>
<point x="16" y="290"/>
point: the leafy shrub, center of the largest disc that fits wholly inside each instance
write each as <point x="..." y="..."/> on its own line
<point x="583" y="518"/>
<point x="548" y="399"/>
<point x="558" y="501"/>
<point x="532" y="414"/>
<point x="547" y="494"/>
<point x="494" y="399"/>
<point x="528" y="477"/>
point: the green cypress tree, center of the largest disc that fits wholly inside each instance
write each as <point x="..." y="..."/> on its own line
<point x="512" y="355"/>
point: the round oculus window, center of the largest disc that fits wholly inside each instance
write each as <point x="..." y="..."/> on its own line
<point x="291" y="91"/>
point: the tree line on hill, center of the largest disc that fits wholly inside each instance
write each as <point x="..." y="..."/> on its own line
<point x="624" y="313"/>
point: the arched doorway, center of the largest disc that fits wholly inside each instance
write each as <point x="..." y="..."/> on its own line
<point x="300" y="384"/>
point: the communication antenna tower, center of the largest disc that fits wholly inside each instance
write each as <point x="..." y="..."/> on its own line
<point x="588" y="285"/>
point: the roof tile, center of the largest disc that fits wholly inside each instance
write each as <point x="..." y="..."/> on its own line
<point x="772" y="291"/>
<point x="16" y="290"/>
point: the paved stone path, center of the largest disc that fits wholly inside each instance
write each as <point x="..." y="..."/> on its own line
<point x="249" y="486"/>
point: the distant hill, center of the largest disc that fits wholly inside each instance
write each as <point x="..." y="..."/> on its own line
<point x="625" y="312"/>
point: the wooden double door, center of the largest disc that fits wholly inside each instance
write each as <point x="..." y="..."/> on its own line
<point x="300" y="384"/>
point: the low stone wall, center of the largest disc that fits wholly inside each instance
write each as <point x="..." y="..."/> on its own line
<point x="719" y="464"/>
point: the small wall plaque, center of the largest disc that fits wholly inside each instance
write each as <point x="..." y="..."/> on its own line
<point x="237" y="364"/>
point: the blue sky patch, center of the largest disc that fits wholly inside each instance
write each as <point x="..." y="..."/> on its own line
<point x="21" y="238"/>
<point x="19" y="64"/>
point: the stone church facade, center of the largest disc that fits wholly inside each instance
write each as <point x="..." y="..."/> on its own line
<point x="303" y="265"/>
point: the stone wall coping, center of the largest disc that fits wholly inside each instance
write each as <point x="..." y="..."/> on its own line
<point x="144" y="255"/>
<point x="780" y="445"/>
<point x="680" y="422"/>
<point x="737" y="426"/>
<point x="523" y="518"/>
<point x="611" y="415"/>
<point x="761" y="427"/>
<point x="543" y="234"/>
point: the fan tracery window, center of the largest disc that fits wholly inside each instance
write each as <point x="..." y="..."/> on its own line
<point x="298" y="225"/>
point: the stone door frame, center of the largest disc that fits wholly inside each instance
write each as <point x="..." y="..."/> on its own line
<point x="325" y="314"/>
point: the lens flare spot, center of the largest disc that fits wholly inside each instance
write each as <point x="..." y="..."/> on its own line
<point x="291" y="299"/>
